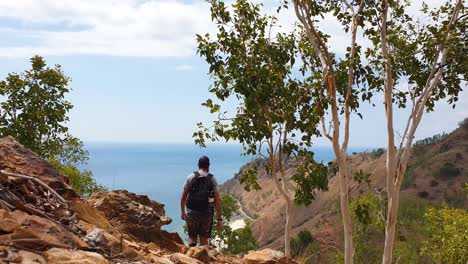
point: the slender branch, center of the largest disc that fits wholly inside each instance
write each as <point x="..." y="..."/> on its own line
<point x="37" y="181"/>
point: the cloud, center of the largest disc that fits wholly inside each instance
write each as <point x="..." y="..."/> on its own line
<point x="140" y="28"/>
<point x="155" y="28"/>
<point x="184" y="67"/>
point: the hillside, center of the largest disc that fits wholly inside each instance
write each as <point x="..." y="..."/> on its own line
<point x="435" y="174"/>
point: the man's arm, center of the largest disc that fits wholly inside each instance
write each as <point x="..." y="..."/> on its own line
<point x="183" y="200"/>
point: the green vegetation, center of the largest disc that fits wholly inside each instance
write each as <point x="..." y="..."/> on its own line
<point x="376" y="153"/>
<point x="409" y="177"/>
<point x="35" y="112"/>
<point x="82" y="181"/>
<point x="241" y="241"/>
<point x="448" y="170"/>
<point x="301" y="243"/>
<point x="230" y="241"/>
<point x="448" y="238"/>
<point x="431" y="140"/>
<point x="305" y="247"/>
<point x="464" y="124"/>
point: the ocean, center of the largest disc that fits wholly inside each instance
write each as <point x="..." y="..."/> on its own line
<point x="160" y="170"/>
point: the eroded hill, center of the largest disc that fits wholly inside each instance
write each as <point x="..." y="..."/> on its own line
<point x="436" y="173"/>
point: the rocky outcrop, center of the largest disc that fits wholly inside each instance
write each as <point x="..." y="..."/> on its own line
<point x="131" y="213"/>
<point x="42" y="220"/>
<point x="138" y="217"/>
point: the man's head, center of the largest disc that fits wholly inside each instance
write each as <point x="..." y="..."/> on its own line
<point x="204" y="163"/>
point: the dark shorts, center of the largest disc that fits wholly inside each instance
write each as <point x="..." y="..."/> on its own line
<point x="199" y="224"/>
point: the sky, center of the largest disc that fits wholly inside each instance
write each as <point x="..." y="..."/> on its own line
<point x="135" y="73"/>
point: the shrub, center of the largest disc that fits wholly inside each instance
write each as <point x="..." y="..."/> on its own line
<point x="449" y="236"/>
<point x="376" y="153"/>
<point x="408" y="179"/>
<point x="81" y="181"/>
<point x="423" y="194"/>
<point x="448" y="170"/>
<point x="464" y="124"/>
<point x="431" y="140"/>
<point x="456" y="198"/>
<point x="241" y="241"/>
<point x="301" y="242"/>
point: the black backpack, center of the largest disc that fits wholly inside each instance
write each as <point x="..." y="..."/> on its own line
<point x="199" y="191"/>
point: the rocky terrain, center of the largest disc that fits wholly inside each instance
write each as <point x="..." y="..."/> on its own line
<point x="436" y="174"/>
<point x="42" y="220"/>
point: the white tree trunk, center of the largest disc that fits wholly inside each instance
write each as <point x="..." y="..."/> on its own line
<point x="390" y="227"/>
<point x="344" y="202"/>
<point x="288" y="228"/>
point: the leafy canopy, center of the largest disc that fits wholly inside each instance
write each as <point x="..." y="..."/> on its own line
<point x="35" y="109"/>
<point x="35" y="112"/>
<point x="251" y="65"/>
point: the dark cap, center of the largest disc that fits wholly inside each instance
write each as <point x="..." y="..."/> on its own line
<point x="204" y="162"/>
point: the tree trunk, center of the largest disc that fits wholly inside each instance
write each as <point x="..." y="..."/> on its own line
<point x="288" y="228"/>
<point x="390" y="226"/>
<point x="344" y="201"/>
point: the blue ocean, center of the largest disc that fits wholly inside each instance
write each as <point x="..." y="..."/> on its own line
<point x="160" y="170"/>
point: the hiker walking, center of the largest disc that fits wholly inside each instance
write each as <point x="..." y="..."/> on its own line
<point x="199" y="199"/>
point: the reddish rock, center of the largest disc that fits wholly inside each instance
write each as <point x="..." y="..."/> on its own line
<point x="36" y="233"/>
<point x="179" y="258"/>
<point x="64" y="256"/>
<point x="200" y="253"/>
<point x="265" y="256"/>
<point x="137" y="216"/>
<point x="15" y="158"/>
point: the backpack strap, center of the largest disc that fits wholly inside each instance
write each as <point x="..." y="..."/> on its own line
<point x="210" y="177"/>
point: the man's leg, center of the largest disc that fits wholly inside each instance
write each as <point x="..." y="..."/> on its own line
<point x="205" y="229"/>
<point x="204" y="241"/>
<point x="192" y="242"/>
<point x="192" y="228"/>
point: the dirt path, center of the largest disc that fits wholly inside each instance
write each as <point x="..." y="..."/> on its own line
<point x="242" y="212"/>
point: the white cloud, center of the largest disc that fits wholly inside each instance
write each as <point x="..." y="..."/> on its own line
<point x="184" y="67"/>
<point x="155" y="28"/>
<point x="143" y="28"/>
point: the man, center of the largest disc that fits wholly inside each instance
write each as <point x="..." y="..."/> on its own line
<point x="199" y="198"/>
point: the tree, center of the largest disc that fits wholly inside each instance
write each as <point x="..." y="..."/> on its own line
<point x="338" y="84"/>
<point x="448" y="235"/>
<point x="252" y="68"/>
<point x="241" y="241"/>
<point x="35" y="112"/>
<point x="431" y="57"/>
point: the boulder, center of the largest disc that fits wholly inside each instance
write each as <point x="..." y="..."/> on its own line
<point x="64" y="256"/>
<point x="36" y="233"/>
<point x="137" y="216"/>
<point x="179" y="258"/>
<point x="201" y="253"/>
<point x="91" y="215"/>
<point x="265" y="256"/>
<point x="12" y="255"/>
<point x="161" y="260"/>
